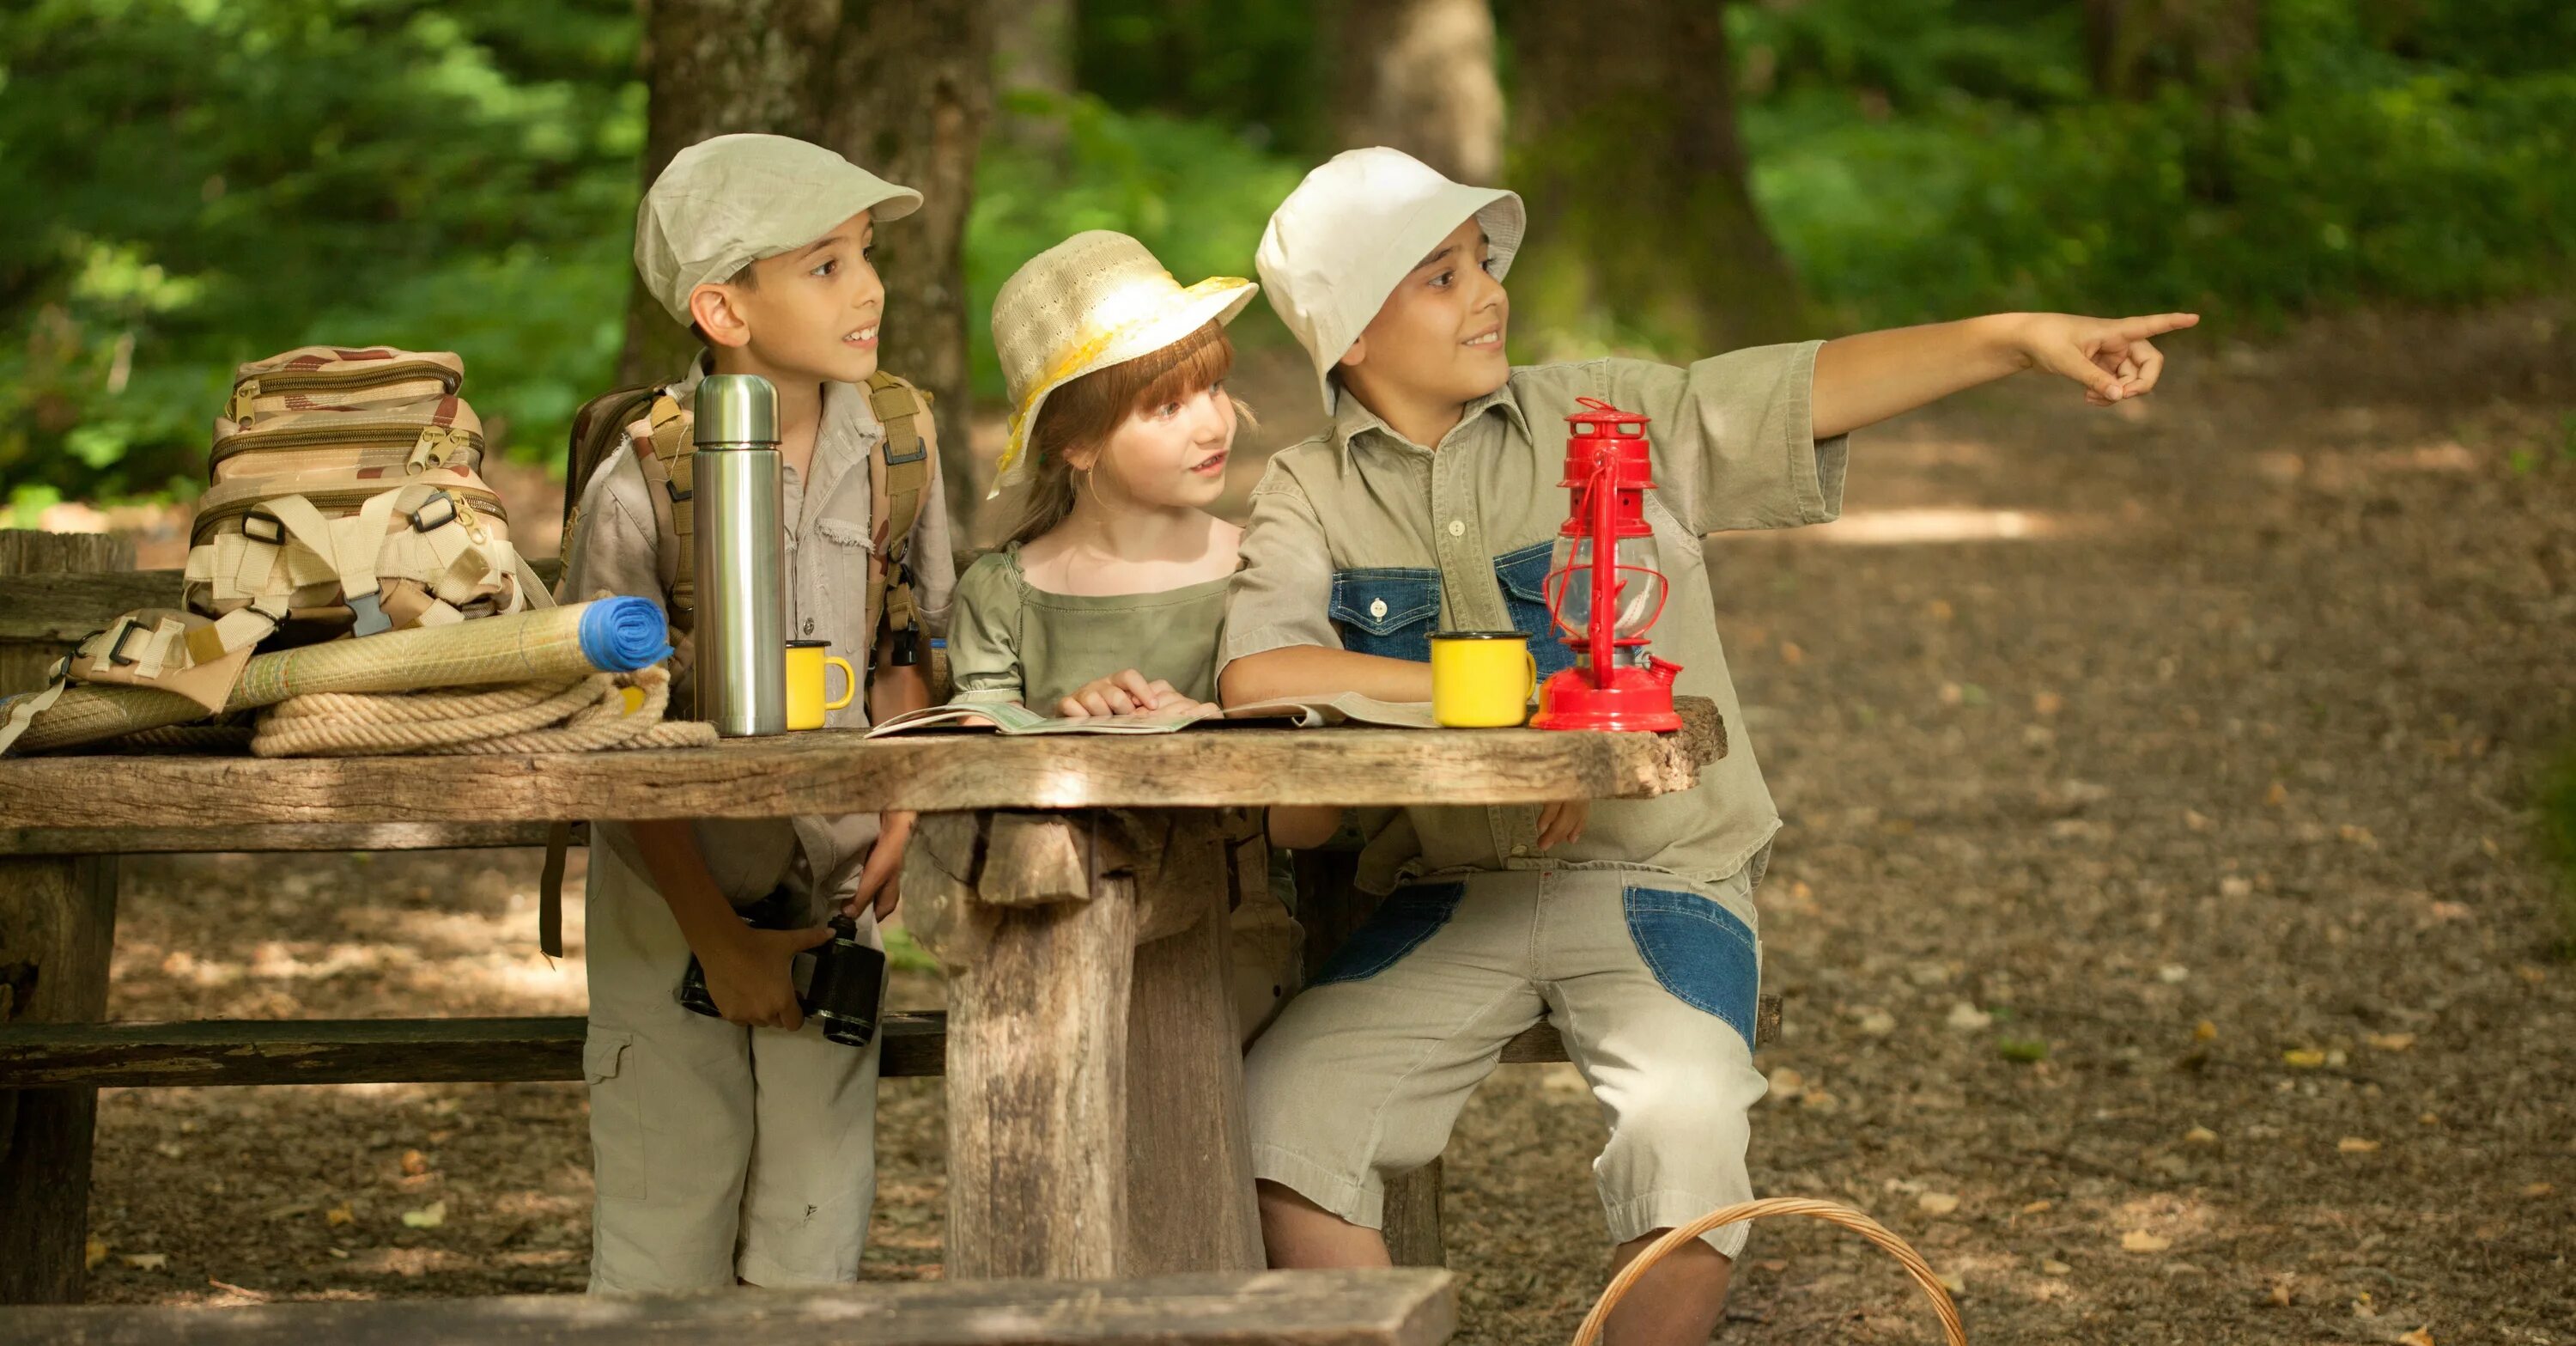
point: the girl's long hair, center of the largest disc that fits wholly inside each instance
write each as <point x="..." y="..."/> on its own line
<point x="1091" y="408"/>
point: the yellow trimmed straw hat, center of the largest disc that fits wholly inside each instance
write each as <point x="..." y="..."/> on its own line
<point x="1095" y="300"/>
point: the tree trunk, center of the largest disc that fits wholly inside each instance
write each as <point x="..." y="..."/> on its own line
<point x="2214" y="46"/>
<point x="899" y="87"/>
<point x="1642" y="231"/>
<point x="1419" y="75"/>
<point x="1033" y="45"/>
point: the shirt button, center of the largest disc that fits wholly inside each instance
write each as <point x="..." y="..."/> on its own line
<point x="1377" y="608"/>
<point x="1457" y="528"/>
<point x="1520" y="850"/>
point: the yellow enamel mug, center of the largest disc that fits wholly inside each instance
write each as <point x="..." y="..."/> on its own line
<point x="1481" y="679"/>
<point x="806" y="681"/>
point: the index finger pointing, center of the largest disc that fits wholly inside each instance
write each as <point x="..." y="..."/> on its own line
<point x="2154" y="325"/>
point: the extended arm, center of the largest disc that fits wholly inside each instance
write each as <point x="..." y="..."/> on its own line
<point x="1864" y="379"/>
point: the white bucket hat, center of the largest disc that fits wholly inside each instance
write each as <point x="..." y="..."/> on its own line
<point x="1095" y="300"/>
<point x="729" y="201"/>
<point x="1342" y="242"/>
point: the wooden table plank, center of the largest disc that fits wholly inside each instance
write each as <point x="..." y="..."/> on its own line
<point x="838" y="771"/>
<point x="1383" y="1307"/>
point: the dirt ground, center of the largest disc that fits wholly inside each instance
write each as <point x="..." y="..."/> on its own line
<point x="2165" y="946"/>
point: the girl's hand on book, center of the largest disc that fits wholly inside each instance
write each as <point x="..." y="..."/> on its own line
<point x="1562" y="822"/>
<point x="1122" y="693"/>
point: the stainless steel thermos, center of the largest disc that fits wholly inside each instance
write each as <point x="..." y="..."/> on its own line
<point x="741" y="636"/>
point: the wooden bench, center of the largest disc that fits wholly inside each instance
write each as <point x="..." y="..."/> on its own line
<point x="1384" y="1307"/>
<point x="206" y="1053"/>
<point x="50" y="1070"/>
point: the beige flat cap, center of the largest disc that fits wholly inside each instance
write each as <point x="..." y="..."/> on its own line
<point x="1095" y="300"/>
<point x="729" y="201"/>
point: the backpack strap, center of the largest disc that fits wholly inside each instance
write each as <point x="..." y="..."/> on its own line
<point x="664" y="449"/>
<point x="898" y="478"/>
<point x="597" y="429"/>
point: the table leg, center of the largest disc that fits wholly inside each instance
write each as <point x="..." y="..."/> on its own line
<point x="57" y="923"/>
<point x="1039" y="937"/>
<point x="1189" y="1155"/>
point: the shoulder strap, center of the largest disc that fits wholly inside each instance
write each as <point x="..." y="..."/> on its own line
<point x="898" y="478"/>
<point x="664" y="450"/>
<point x="596" y="431"/>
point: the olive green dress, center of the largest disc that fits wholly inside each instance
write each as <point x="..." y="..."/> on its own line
<point x="1011" y="641"/>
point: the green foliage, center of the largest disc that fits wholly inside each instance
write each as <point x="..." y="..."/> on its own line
<point x="1929" y="158"/>
<point x="1190" y="190"/>
<point x="1253" y="66"/>
<point x="2558" y="836"/>
<point x="186" y="184"/>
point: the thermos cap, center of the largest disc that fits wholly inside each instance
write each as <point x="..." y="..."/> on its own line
<point x="736" y="409"/>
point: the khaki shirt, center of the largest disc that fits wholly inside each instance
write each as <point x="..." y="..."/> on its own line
<point x="614" y="548"/>
<point x="1364" y="541"/>
<point x="1012" y="641"/>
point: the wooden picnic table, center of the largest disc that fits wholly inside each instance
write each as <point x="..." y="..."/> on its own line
<point x="1075" y="887"/>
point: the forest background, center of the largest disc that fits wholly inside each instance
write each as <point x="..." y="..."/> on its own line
<point x="186" y="184"/>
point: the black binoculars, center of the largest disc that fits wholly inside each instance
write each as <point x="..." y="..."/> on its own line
<point x="840" y="983"/>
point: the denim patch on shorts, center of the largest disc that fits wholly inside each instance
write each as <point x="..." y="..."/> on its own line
<point x="1698" y="950"/>
<point x="1407" y="917"/>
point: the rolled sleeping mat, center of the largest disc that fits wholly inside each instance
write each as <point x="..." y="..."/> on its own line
<point x="606" y="635"/>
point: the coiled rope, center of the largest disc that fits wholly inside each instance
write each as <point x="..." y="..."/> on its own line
<point x="601" y="711"/>
<point x="1830" y="1212"/>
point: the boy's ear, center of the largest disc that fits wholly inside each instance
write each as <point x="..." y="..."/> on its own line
<point x="1082" y="457"/>
<point x="1352" y="358"/>
<point x="717" y="316"/>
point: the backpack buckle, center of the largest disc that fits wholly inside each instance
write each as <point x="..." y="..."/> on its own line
<point x="435" y="513"/>
<point x="266" y="528"/>
<point x="371" y="616"/>
<point x="123" y="632"/>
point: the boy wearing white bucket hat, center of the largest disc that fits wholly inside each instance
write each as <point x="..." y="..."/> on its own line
<point x="1433" y="501"/>
<point x="743" y="1147"/>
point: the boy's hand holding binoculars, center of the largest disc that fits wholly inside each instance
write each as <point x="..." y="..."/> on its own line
<point x="751" y="975"/>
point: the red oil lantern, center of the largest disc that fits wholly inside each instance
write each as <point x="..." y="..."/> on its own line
<point x="1603" y="610"/>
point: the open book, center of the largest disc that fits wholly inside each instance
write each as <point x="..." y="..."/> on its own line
<point x="1299" y="711"/>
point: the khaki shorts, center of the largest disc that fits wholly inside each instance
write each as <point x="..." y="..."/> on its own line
<point x="719" y="1151"/>
<point x="1651" y="979"/>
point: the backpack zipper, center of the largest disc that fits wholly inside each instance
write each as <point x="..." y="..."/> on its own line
<point x="429" y="445"/>
<point x="312" y="380"/>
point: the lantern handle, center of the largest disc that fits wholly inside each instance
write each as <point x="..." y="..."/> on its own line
<point x="1594" y="403"/>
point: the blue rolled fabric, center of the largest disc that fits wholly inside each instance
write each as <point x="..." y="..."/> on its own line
<point x="623" y="634"/>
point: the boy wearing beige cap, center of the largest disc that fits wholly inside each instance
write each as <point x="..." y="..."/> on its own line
<point x="1433" y="501"/>
<point x="742" y="1147"/>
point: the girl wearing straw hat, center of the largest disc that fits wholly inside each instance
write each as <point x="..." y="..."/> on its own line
<point x="1108" y="596"/>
